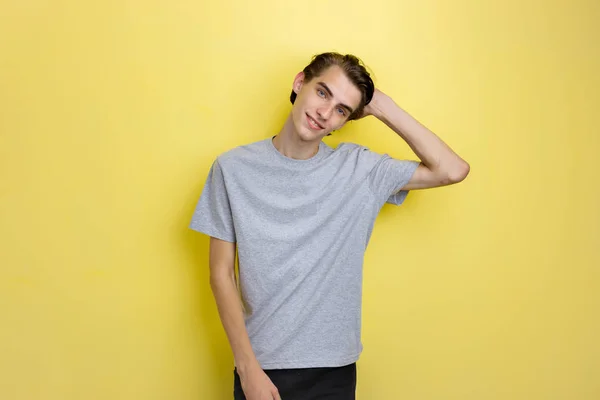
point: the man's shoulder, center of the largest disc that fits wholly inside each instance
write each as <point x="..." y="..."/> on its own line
<point x="245" y="152"/>
<point x="359" y="152"/>
<point x="350" y="147"/>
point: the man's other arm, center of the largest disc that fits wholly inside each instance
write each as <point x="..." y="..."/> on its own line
<point x="255" y="383"/>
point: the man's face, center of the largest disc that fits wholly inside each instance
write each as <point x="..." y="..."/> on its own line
<point x="323" y="104"/>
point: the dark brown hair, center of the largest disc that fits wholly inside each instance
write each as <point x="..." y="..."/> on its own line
<point x="354" y="69"/>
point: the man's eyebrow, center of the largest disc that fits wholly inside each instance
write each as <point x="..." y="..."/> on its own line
<point x="331" y="94"/>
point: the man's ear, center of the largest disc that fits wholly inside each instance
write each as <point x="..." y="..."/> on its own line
<point x="298" y="82"/>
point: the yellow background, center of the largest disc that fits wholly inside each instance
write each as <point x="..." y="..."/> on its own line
<point x="112" y="112"/>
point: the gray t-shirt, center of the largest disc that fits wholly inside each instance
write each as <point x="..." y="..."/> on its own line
<point x="301" y="229"/>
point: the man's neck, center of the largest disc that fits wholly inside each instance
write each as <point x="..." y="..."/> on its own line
<point x="289" y="143"/>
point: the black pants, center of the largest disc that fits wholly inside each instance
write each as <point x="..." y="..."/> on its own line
<point x="337" y="383"/>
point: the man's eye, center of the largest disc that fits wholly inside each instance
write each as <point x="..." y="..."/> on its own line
<point x="341" y="111"/>
<point x="321" y="93"/>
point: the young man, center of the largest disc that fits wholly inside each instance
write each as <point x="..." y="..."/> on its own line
<point x="301" y="214"/>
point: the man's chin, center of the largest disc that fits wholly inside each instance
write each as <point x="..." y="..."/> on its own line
<point x="308" y="135"/>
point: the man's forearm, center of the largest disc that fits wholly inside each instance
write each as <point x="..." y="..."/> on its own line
<point x="431" y="150"/>
<point x="230" y="311"/>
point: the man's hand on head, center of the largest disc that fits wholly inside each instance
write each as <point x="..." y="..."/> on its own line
<point x="371" y="108"/>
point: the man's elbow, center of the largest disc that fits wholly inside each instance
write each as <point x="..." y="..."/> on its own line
<point x="221" y="276"/>
<point x="459" y="172"/>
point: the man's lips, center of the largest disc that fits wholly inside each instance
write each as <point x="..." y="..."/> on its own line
<point x="314" y="122"/>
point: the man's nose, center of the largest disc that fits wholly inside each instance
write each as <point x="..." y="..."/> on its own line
<point x="325" y="111"/>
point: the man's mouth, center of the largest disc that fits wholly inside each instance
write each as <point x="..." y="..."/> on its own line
<point x="313" y="124"/>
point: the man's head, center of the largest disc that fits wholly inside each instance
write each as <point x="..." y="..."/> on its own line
<point x="330" y="91"/>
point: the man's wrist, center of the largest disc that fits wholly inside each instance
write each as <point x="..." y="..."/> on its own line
<point x="378" y="105"/>
<point x="246" y="366"/>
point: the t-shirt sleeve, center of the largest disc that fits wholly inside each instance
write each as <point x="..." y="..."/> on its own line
<point x="212" y="215"/>
<point x="389" y="175"/>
